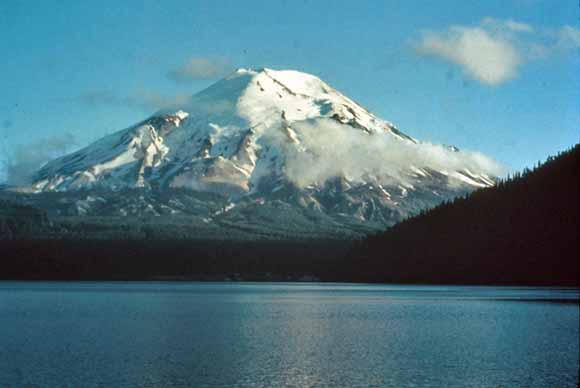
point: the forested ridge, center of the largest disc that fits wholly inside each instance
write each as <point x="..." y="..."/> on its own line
<point x="524" y="230"/>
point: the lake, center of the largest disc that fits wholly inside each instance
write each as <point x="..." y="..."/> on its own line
<point x="139" y="334"/>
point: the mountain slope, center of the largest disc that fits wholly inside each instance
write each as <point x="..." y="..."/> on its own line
<point x="524" y="230"/>
<point x="258" y="137"/>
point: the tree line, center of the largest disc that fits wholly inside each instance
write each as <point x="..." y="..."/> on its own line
<point x="524" y="230"/>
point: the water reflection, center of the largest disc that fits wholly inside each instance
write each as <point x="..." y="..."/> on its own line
<point x="294" y="335"/>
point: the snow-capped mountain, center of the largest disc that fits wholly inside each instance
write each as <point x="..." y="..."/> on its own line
<point x="257" y="137"/>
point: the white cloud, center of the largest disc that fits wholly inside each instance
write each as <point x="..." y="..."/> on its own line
<point x="151" y="100"/>
<point x="25" y="159"/>
<point x="519" y="27"/>
<point x="568" y="38"/>
<point x="199" y="68"/>
<point x="332" y="149"/>
<point x="499" y="25"/>
<point x="490" y="60"/>
<point x="145" y="100"/>
<point x="493" y="51"/>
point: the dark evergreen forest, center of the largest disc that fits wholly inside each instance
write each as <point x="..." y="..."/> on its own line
<point x="522" y="231"/>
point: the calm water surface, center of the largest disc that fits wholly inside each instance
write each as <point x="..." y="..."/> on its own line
<point x="285" y="335"/>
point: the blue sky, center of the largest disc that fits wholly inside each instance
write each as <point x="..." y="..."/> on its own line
<point x="500" y="77"/>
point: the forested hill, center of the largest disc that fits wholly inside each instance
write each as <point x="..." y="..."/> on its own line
<point x="17" y="220"/>
<point x="522" y="231"/>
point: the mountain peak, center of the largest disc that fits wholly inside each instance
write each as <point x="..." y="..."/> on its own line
<point x="293" y="80"/>
<point x="264" y="132"/>
<point x="244" y="70"/>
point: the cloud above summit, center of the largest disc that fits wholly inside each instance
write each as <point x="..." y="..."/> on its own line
<point x="493" y="51"/>
<point x="199" y="68"/>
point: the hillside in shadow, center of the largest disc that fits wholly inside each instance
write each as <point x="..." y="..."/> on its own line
<point x="522" y="231"/>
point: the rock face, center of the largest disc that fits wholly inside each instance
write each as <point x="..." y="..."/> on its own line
<point x="274" y="138"/>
